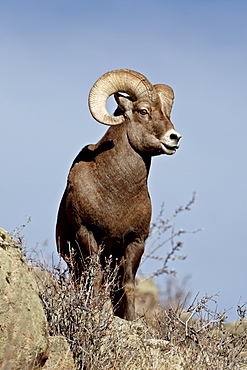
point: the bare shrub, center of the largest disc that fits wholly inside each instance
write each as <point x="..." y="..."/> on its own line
<point x="201" y="337"/>
<point x="158" y="240"/>
<point x="74" y="310"/>
<point x="176" y="338"/>
<point x="180" y="335"/>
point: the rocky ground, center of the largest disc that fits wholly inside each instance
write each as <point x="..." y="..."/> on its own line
<point x="45" y="323"/>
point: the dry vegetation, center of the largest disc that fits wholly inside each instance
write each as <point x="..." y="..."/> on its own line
<point x="181" y="338"/>
<point x="181" y="335"/>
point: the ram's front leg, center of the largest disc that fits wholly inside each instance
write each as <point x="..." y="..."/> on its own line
<point x="124" y="299"/>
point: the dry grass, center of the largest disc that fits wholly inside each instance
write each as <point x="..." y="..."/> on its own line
<point x="201" y="337"/>
<point x="181" y="336"/>
<point x="195" y="337"/>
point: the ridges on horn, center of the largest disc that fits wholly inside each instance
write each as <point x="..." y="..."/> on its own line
<point x="120" y="80"/>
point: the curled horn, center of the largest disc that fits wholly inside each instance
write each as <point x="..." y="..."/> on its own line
<point x="121" y="80"/>
<point x="166" y="95"/>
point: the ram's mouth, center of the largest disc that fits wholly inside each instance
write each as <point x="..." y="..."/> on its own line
<point x="169" y="149"/>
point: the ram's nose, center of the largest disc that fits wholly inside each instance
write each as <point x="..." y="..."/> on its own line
<point x="174" y="138"/>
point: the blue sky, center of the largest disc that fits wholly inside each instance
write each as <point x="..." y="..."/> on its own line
<point x="51" y="53"/>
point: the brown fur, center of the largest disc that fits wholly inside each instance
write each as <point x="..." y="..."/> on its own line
<point x="106" y="204"/>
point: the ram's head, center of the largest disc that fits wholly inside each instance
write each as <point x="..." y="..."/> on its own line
<point x="146" y="110"/>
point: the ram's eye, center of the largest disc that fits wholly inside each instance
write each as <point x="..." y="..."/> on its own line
<point x="143" y="112"/>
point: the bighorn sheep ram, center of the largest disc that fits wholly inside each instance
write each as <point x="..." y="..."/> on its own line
<point x="106" y="204"/>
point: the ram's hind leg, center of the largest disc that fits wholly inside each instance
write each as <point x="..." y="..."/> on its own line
<point x="124" y="297"/>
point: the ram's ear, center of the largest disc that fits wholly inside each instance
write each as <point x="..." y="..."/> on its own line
<point x="124" y="102"/>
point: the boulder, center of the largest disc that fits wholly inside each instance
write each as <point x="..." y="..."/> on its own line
<point x="24" y="340"/>
<point x="136" y="342"/>
<point x="60" y="357"/>
<point x="147" y="297"/>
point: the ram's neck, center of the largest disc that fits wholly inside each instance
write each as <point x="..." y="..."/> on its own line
<point x="124" y="165"/>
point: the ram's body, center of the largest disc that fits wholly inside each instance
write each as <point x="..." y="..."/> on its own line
<point x="106" y="204"/>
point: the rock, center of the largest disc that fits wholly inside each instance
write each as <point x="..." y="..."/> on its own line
<point x="60" y="357"/>
<point x="24" y="341"/>
<point x="125" y="339"/>
<point x="147" y="297"/>
<point x="5" y="239"/>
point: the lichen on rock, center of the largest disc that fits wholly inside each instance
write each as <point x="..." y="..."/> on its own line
<point x="24" y="341"/>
